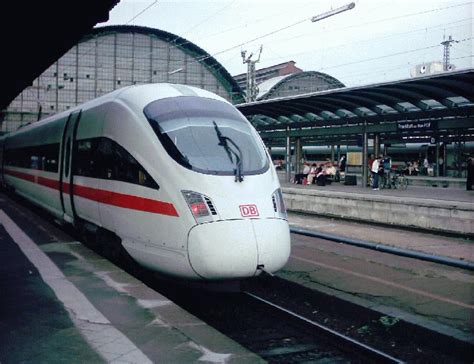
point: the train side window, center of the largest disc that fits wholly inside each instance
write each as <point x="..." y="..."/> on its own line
<point x="117" y="164"/>
<point x="43" y="157"/>
<point x="105" y="164"/>
<point x="126" y="167"/>
<point x="104" y="158"/>
<point x="50" y="155"/>
<point x="85" y="158"/>
<point x="129" y="170"/>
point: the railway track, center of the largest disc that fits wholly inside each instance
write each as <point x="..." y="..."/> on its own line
<point x="275" y="333"/>
<point x="361" y="351"/>
<point x="284" y="322"/>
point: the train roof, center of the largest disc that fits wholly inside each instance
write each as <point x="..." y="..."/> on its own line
<point x="137" y="95"/>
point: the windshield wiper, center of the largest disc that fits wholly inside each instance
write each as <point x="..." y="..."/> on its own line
<point x="239" y="177"/>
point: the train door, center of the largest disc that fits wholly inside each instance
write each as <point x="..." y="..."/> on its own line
<point x="66" y="182"/>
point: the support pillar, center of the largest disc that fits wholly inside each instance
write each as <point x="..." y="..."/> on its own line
<point x="365" y="151"/>
<point x="445" y="158"/>
<point x="437" y="158"/>
<point x="288" y="156"/>
<point x="376" y="145"/>
<point x="299" y="155"/>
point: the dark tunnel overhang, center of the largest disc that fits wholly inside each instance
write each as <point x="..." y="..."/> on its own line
<point x="35" y="34"/>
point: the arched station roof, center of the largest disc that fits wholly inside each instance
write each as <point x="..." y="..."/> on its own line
<point x="442" y="102"/>
<point x="271" y="86"/>
<point x="187" y="46"/>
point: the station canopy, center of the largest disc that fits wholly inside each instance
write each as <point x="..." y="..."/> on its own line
<point x="408" y="111"/>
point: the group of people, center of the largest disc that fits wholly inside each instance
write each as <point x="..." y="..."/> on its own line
<point x="320" y="174"/>
<point x="379" y="166"/>
<point x="411" y="168"/>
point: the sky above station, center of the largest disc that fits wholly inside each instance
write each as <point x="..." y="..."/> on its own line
<point x="376" y="41"/>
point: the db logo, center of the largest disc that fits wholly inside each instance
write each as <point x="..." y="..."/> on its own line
<point x="248" y="210"/>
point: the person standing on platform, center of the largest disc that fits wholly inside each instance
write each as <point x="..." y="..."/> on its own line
<point x="440" y="166"/>
<point x="426" y="165"/>
<point x="369" y="165"/>
<point x="470" y="173"/>
<point x="342" y="166"/>
<point x="306" y="170"/>
<point x="375" y="173"/>
<point x="387" y="169"/>
<point x="370" y="161"/>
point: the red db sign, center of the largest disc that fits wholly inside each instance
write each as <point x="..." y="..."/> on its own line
<point x="248" y="210"/>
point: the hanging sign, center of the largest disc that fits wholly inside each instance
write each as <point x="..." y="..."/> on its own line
<point x="417" y="125"/>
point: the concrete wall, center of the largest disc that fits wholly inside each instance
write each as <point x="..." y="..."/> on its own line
<point x="447" y="216"/>
<point x="424" y="181"/>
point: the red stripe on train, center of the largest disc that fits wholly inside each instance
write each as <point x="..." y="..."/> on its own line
<point x="126" y="201"/>
<point x="103" y="196"/>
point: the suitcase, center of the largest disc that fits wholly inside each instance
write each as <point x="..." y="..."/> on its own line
<point x="350" y="180"/>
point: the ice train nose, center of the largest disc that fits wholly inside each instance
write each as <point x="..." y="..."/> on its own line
<point x="235" y="248"/>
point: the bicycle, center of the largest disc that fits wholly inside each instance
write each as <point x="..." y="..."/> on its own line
<point x="397" y="181"/>
<point x="400" y="182"/>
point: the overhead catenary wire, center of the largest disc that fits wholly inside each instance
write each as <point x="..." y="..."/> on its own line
<point x="382" y="69"/>
<point x="347" y="27"/>
<point x="385" y="37"/>
<point x="148" y="7"/>
<point x="259" y="37"/>
<point x="364" y="41"/>
<point x="204" y="20"/>
<point x="281" y="29"/>
<point x="355" y="25"/>
<point x="385" y="56"/>
<point x="218" y="66"/>
<point x="142" y="11"/>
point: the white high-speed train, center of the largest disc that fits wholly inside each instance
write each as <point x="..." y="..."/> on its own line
<point x="176" y="172"/>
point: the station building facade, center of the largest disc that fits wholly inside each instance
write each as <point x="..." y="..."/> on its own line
<point x="113" y="57"/>
<point x="263" y="74"/>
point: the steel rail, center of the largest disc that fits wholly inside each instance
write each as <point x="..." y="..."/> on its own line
<point x="458" y="263"/>
<point x="377" y="355"/>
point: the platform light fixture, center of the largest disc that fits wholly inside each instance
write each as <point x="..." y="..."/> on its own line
<point x="327" y="14"/>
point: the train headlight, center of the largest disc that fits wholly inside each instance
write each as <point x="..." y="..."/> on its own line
<point x="201" y="206"/>
<point x="279" y="204"/>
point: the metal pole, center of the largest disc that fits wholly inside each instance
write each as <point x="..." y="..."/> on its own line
<point x="376" y="145"/>
<point x="332" y="153"/>
<point x="299" y="154"/>
<point x="385" y="248"/>
<point x="365" y="175"/>
<point x="288" y="155"/>
<point x="437" y="158"/>
<point x="444" y="158"/>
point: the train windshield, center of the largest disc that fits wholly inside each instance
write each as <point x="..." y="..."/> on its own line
<point x="207" y="136"/>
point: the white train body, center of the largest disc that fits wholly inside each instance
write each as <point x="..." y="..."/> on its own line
<point x="158" y="166"/>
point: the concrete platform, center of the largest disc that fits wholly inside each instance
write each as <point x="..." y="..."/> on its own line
<point x="61" y="302"/>
<point x="449" y="210"/>
<point x="429" y="181"/>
